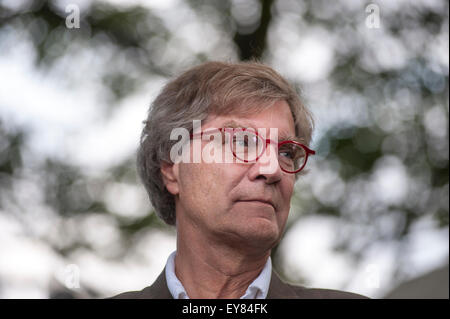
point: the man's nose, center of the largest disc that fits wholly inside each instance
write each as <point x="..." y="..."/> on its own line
<point x="267" y="166"/>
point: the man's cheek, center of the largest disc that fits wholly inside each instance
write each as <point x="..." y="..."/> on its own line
<point x="289" y="188"/>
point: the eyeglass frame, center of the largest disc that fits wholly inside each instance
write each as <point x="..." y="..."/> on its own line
<point x="266" y="141"/>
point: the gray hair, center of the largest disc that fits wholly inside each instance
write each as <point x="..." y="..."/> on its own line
<point x="210" y="88"/>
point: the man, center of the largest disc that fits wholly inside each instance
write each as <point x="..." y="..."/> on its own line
<point x="228" y="214"/>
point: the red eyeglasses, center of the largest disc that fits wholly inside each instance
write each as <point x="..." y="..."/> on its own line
<point x="248" y="146"/>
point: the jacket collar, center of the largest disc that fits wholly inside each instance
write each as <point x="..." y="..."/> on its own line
<point x="158" y="290"/>
<point x="277" y="289"/>
<point x="280" y="290"/>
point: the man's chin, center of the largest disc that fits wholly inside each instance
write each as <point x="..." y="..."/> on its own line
<point x="257" y="232"/>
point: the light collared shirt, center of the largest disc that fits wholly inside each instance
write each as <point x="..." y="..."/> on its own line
<point x="258" y="289"/>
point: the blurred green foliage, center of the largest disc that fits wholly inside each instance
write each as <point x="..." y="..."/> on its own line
<point x="355" y="151"/>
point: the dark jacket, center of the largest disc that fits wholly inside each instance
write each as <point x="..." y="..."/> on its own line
<point x="277" y="290"/>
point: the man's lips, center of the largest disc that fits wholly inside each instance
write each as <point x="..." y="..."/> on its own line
<point x="261" y="201"/>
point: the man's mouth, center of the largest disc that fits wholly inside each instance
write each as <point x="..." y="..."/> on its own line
<point x="258" y="201"/>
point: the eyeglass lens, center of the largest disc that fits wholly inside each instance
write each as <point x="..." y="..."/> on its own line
<point x="247" y="146"/>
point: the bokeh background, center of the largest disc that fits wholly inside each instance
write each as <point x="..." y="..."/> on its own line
<point x="372" y="214"/>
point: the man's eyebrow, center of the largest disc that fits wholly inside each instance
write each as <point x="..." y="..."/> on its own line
<point x="292" y="138"/>
<point x="234" y="124"/>
<point x="282" y="137"/>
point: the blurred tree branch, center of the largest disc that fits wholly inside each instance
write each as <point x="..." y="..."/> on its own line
<point x="136" y="39"/>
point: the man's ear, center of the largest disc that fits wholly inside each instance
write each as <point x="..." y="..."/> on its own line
<point x="169" y="172"/>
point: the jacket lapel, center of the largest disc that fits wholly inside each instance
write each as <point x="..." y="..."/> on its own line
<point x="280" y="290"/>
<point x="158" y="290"/>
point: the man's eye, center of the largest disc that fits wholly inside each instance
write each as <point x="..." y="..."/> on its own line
<point x="288" y="154"/>
<point x="241" y="141"/>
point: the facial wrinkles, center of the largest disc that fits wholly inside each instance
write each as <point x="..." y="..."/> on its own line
<point x="239" y="184"/>
<point x="274" y="191"/>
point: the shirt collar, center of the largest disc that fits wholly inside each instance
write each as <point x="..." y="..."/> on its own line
<point x="258" y="289"/>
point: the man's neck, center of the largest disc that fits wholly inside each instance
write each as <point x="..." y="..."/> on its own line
<point x="210" y="270"/>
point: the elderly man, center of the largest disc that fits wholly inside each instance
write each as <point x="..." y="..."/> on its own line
<point x="228" y="214"/>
